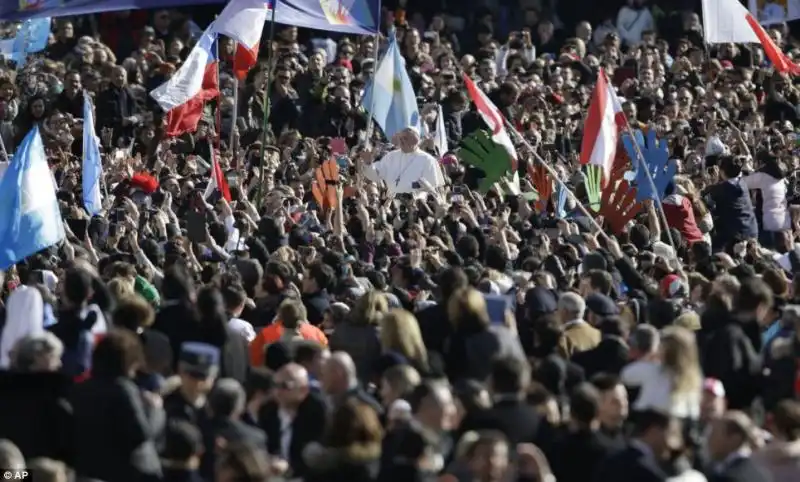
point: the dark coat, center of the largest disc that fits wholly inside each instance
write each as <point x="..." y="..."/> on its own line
<point x="518" y="421"/>
<point x="114" y="104"/>
<point x="307" y="427"/>
<point x="179" y="324"/>
<point x="177" y="407"/>
<point x="357" y="463"/>
<point x="734" y="216"/>
<point x="467" y="355"/>
<point x="35" y="414"/>
<point x="741" y="470"/>
<point x="435" y="326"/>
<point x="361" y="342"/>
<point x="232" y="431"/>
<point x="728" y="355"/>
<point x="590" y="447"/>
<point x="158" y="353"/>
<point x="628" y="465"/>
<point x="316" y="305"/>
<point x="114" y="432"/>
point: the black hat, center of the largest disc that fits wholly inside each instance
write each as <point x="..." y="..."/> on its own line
<point x="199" y="359"/>
<point x="601" y="305"/>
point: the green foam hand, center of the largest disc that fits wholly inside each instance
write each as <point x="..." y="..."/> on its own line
<point x="479" y="151"/>
<point x="593" y="184"/>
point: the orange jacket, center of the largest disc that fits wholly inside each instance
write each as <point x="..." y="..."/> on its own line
<point x="274" y="332"/>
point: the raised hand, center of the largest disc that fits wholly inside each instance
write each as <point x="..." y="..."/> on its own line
<point x="656" y="160"/>
<point x="479" y="151"/>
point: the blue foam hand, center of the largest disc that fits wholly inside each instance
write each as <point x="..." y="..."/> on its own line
<point x="656" y="161"/>
<point x="561" y="202"/>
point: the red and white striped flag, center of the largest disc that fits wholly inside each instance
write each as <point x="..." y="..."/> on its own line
<point x="217" y="180"/>
<point x="602" y="126"/>
<point x="243" y="21"/>
<point x="493" y="118"/>
<point x="728" y="21"/>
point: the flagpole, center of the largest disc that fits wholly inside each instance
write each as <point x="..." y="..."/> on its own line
<point x="650" y="181"/>
<point x="235" y="115"/>
<point x="370" y="122"/>
<point x="3" y="149"/>
<point x="218" y="114"/>
<point x="266" y="102"/>
<point x="554" y="175"/>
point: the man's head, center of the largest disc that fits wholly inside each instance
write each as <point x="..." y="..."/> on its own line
<point x="786" y="420"/>
<point x="312" y="356"/>
<point x="643" y="342"/>
<point x="291" y="385"/>
<point x="37" y="353"/>
<point x="584" y="406"/>
<point x="659" y="431"/>
<point x="433" y="406"/>
<point x="488" y="456"/>
<point x="730" y="433"/>
<point x="227" y="399"/>
<point x="407" y="139"/>
<point x="613" y="408"/>
<point x="596" y="281"/>
<point x="183" y="445"/>
<point x="72" y="82"/>
<point x="397" y="383"/>
<point x="119" y="76"/>
<point x="713" y="404"/>
<point x="198" y="366"/>
<point x="509" y="376"/>
<point x="319" y="276"/>
<point x="755" y="299"/>
<point x="292" y="313"/>
<point x="571" y="306"/>
<point x="339" y="374"/>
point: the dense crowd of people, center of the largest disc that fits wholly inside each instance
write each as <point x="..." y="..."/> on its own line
<point x="452" y="333"/>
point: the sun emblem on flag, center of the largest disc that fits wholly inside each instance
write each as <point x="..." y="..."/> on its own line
<point x="397" y="86"/>
<point x="30" y="4"/>
<point x="335" y="12"/>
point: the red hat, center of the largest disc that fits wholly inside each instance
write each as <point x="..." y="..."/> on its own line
<point x="346" y="63"/>
<point x="714" y="386"/>
<point x="144" y="182"/>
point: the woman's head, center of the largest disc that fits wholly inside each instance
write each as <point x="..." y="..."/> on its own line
<point x="120" y="288"/>
<point x="467" y="310"/>
<point x="355" y="426"/>
<point x="37" y="107"/>
<point x="370" y="309"/>
<point x="680" y="358"/>
<point x="118" y="354"/>
<point x="133" y="312"/>
<point x="400" y="333"/>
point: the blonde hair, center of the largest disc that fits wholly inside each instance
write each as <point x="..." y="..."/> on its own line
<point x="467" y="310"/>
<point x="369" y="309"/>
<point x="400" y="333"/>
<point x="679" y="358"/>
<point x="121" y="288"/>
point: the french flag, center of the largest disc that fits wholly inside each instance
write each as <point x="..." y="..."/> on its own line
<point x="195" y="82"/>
<point x="728" y="21"/>
<point x="243" y="21"/>
<point x="601" y="128"/>
<point x="217" y="181"/>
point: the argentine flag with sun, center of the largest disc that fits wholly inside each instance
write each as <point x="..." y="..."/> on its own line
<point x="389" y="96"/>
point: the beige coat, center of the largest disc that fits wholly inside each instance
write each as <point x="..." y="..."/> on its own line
<point x="781" y="460"/>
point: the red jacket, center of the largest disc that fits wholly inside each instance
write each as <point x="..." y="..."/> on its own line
<point x="680" y="215"/>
